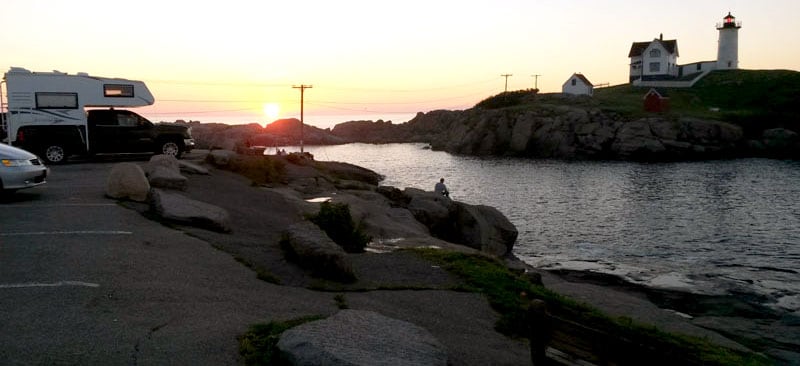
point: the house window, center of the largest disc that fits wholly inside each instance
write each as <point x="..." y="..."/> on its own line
<point x="655" y="66"/>
<point x="57" y="100"/>
<point x="118" y="91"/>
<point x="574" y="82"/>
<point x="655" y="53"/>
<point x="729" y="64"/>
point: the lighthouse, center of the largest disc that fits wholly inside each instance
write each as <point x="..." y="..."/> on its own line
<point x="728" y="47"/>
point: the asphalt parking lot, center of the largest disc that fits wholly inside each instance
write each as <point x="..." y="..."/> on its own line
<point x="84" y="280"/>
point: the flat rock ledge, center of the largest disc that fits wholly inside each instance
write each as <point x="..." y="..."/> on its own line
<point x="178" y="208"/>
<point x="311" y="248"/>
<point x="357" y="337"/>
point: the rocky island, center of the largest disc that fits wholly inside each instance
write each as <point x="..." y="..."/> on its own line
<point x="728" y="114"/>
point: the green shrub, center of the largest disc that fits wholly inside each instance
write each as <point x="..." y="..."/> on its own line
<point x="335" y="220"/>
<point x="259" y="345"/>
<point x="508" y="99"/>
<point x="299" y="158"/>
<point x="259" y="169"/>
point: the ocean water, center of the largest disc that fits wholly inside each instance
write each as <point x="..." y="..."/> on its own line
<point x="712" y="227"/>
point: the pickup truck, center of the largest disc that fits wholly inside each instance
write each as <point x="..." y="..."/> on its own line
<point x="110" y="131"/>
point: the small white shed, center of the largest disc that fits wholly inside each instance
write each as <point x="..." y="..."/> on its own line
<point x="577" y="84"/>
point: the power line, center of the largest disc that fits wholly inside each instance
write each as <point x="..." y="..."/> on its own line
<point x="302" y="88"/>
<point x="536" y="81"/>
<point x="204" y="112"/>
<point x="415" y="90"/>
<point x="506" y="76"/>
<point x="216" y="83"/>
<point x="338" y="105"/>
<point x="333" y="87"/>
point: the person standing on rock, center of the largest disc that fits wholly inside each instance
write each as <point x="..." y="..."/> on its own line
<point x="440" y="188"/>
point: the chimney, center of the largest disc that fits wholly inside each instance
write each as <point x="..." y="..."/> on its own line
<point x="661" y="37"/>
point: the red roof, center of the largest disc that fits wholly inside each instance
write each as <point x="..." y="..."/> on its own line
<point x="638" y="47"/>
<point x="583" y="78"/>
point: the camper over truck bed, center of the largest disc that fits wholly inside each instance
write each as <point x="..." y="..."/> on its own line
<point x="56" y="115"/>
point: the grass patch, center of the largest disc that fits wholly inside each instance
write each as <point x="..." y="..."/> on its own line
<point x="336" y="221"/>
<point x="753" y="99"/>
<point x="507" y="292"/>
<point x="510" y="295"/>
<point x="258" y="346"/>
<point x="508" y="99"/>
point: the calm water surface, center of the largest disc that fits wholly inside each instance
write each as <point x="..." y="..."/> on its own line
<point x="710" y="227"/>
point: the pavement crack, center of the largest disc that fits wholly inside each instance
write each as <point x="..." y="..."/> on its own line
<point x="149" y="336"/>
<point x="156" y="329"/>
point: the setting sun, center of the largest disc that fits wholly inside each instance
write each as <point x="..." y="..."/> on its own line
<point x="272" y="110"/>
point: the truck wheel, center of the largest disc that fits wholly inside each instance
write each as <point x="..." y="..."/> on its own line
<point x="171" y="148"/>
<point x="54" y="154"/>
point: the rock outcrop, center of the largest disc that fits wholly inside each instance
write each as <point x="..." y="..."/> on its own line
<point x="127" y="181"/>
<point x="381" y="220"/>
<point x="282" y="132"/>
<point x="220" y="157"/>
<point x="579" y="131"/>
<point x="358" y="337"/>
<point x="784" y="142"/>
<point x="163" y="171"/>
<point x="568" y="132"/>
<point x="479" y="227"/>
<point x="311" y="248"/>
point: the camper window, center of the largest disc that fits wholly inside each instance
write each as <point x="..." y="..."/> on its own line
<point x="118" y="91"/>
<point x="56" y="100"/>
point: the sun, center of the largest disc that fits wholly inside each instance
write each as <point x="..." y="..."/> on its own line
<point x="272" y="110"/>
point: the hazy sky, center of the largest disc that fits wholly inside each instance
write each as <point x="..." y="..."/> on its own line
<point x="203" y="60"/>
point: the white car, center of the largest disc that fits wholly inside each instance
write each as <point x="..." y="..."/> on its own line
<point x="20" y="169"/>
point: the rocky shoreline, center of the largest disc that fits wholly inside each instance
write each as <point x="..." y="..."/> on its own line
<point x="566" y="131"/>
<point x="407" y="218"/>
<point x="741" y="317"/>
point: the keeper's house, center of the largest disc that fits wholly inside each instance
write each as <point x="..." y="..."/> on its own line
<point x="654" y="60"/>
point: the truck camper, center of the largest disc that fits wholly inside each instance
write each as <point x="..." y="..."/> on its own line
<point x="57" y="115"/>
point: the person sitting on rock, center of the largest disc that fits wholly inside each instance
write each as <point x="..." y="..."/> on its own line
<point x="440" y="188"/>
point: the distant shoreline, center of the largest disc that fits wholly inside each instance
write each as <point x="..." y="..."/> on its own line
<point x="320" y="121"/>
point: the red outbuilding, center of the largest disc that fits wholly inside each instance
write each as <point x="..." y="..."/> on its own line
<point x="656" y="101"/>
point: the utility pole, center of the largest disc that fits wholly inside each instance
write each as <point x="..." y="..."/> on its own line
<point x="536" y="81"/>
<point x="506" y="76"/>
<point x="302" y="88"/>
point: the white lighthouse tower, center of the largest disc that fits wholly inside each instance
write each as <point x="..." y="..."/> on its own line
<point x="728" y="47"/>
